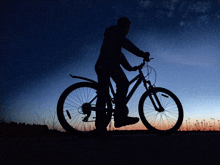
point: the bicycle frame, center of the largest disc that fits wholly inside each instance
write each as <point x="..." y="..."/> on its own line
<point x="77" y="104"/>
<point x="139" y="78"/>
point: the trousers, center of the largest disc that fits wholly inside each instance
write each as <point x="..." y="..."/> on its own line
<point x="122" y="84"/>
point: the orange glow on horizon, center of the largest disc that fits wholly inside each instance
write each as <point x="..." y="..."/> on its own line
<point x="187" y="125"/>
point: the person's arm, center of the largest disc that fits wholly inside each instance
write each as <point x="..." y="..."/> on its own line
<point x="125" y="63"/>
<point x="129" y="46"/>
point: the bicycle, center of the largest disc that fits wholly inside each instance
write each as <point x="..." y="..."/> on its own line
<point x="160" y="110"/>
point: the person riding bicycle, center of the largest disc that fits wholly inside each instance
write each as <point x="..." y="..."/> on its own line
<point x="108" y="65"/>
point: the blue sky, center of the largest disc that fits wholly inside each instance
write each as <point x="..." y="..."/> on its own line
<point x="44" y="41"/>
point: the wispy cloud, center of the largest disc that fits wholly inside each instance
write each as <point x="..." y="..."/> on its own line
<point x="200" y="7"/>
<point x="188" y="13"/>
<point x="145" y="3"/>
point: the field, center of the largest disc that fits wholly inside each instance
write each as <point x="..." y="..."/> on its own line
<point x="195" y="143"/>
<point x="114" y="147"/>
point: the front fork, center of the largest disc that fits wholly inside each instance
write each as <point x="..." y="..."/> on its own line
<point x="153" y="97"/>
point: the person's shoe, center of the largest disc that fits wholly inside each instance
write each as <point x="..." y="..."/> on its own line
<point x="123" y="121"/>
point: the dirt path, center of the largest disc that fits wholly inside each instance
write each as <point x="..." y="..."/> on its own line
<point x="203" y="148"/>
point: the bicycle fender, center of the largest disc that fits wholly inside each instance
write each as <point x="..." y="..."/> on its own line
<point x="83" y="78"/>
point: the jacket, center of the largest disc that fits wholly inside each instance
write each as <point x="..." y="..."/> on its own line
<point x="110" y="56"/>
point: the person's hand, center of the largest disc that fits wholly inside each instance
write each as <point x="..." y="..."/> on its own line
<point x="146" y="56"/>
<point x="135" y="68"/>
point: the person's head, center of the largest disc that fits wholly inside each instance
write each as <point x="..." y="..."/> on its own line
<point x="124" y="23"/>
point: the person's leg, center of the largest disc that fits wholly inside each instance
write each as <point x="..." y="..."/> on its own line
<point x="122" y="85"/>
<point x="103" y="92"/>
<point x="121" y="111"/>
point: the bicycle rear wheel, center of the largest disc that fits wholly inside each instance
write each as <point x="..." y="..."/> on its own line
<point x="169" y="119"/>
<point x="76" y="108"/>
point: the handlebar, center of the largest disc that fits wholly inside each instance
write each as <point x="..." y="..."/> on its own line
<point x="147" y="60"/>
<point x="149" y="70"/>
<point x="143" y="63"/>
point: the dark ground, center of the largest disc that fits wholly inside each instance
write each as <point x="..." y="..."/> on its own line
<point x="184" y="148"/>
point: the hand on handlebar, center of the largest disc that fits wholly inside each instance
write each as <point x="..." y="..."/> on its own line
<point x="146" y="59"/>
<point x="138" y="67"/>
<point x="146" y="56"/>
<point x="135" y="68"/>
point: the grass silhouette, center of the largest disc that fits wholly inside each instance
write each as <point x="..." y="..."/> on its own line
<point x="204" y="125"/>
<point x="14" y="129"/>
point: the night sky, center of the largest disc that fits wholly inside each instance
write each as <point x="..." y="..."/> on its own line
<point x="44" y="41"/>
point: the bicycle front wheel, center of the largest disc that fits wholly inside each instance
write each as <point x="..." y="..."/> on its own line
<point x="166" y="119"/>
<point x="76" y="108"/>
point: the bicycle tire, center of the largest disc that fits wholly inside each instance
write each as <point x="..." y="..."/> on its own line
<point x="154" y="120"/>
<point x="69" y="108"/>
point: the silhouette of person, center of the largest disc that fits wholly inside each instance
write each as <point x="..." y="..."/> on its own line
<point x="108" y="65"/>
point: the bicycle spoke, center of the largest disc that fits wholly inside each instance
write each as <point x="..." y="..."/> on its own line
<point x="176" y="116"/>
<point x="167" y="118"/>
<point x="70" y="104"/>
<point x="73" y="99"/>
